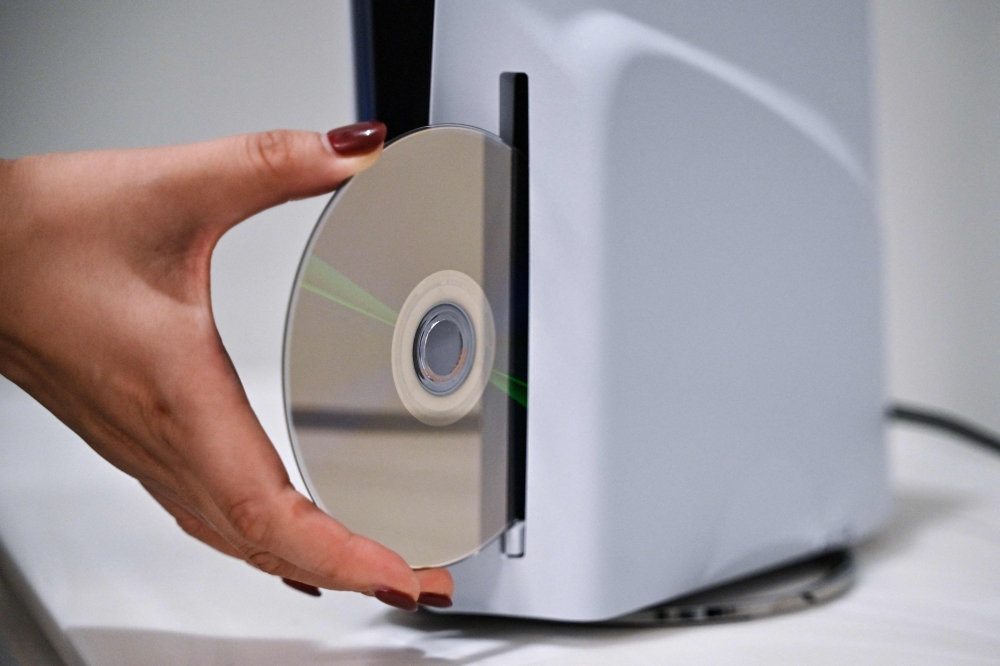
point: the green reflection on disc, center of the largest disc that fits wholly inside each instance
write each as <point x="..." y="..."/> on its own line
<point x="329" y="283"/>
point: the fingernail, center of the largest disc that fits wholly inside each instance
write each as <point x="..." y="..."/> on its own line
<point x="433" y="599"/>
<point x="311" y="590"/>
<point x="397" y="599"/>
<point x="357" y="139"/>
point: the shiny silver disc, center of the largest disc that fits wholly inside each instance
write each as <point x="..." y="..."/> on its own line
<point x="396" y="357"/>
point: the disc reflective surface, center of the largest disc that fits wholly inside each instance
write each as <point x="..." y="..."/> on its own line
<point x="396" y="348"/>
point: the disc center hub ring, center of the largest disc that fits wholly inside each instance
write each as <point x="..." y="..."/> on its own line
<point x="443" y="349"/>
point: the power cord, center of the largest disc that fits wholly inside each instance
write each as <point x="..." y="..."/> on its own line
<point x="945" y="421"/>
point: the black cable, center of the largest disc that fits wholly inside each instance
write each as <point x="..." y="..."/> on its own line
<point x="956" y="425"/>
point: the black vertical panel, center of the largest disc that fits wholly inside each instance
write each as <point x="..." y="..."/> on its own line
<point x="364" y="77"/>
<point x="514" y="131"/>
<point x="392" y="45"/>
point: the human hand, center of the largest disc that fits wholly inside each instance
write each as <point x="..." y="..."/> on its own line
<point x="106" y="319"/>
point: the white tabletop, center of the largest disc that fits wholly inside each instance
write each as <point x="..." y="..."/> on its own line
<point x="126" y="586"/>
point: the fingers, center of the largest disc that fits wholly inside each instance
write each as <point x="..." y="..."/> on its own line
<point x="245" y="494"/>
<point x="283" y="533"/>
<point x="436" y="587"/>
<point x="170" y="200"/>
<point x="193" y="525"/>
<point x="234" y="481"/>
<point x="227" y="180"/>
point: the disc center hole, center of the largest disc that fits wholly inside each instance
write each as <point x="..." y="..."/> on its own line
<point x="444" y="347"/>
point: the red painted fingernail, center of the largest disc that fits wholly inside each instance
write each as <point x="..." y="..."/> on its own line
<point x="357" y="139"/>
<point x="397" y="599"/>
<point x="311" y="590"/>
<point x="433" y="599"/>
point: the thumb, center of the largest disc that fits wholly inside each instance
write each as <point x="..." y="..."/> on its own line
<point x="228" y="180"/>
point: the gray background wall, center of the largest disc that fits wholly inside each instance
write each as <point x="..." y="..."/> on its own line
<point x="938" y="81"/>
<point x="103" y="74"/>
